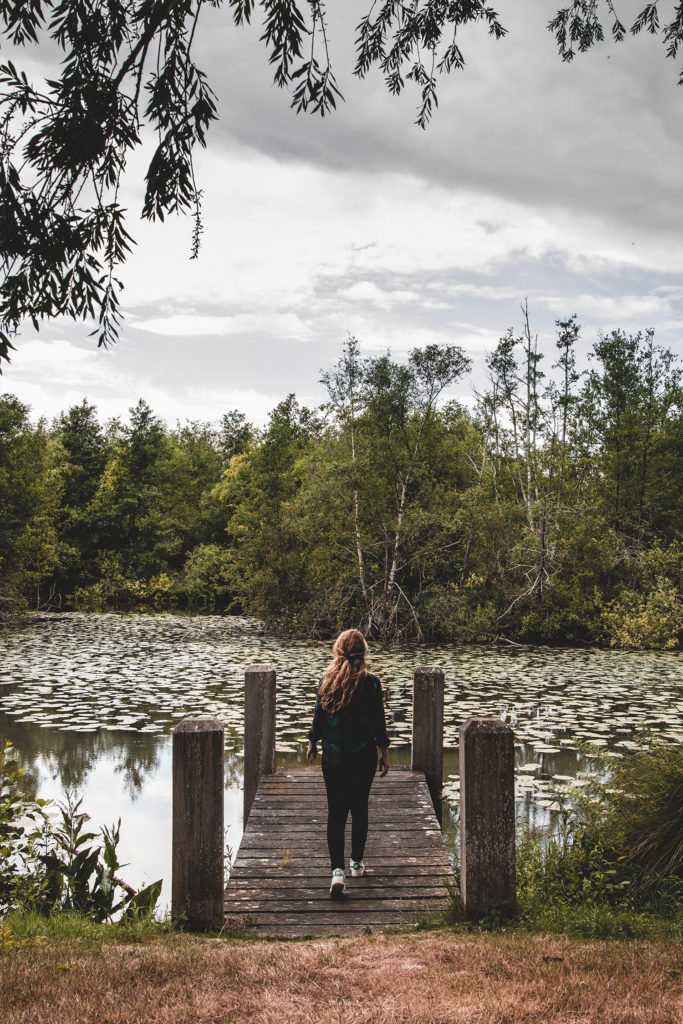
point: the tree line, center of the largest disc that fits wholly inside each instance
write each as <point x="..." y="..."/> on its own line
<point x="548" y="512"/>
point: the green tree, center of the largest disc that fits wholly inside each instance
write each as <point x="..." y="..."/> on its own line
<point x="235" y="434"/>
<point x="378" y="500"/>
<point x="29" y="498"/>
<point x="517" y="424"/>
<point x="631" y="410"/>
<point x="541" y="525"/>
<point x="82" y="462"/>
<point x="128" y="67"/>
<point x="402" y="428"/>
<point x="128" y="513"/>
<point x="190" y="468"/>
<point x="269" y="571"/>
<point x="344" y="385"/>
<point x="206" y="578"/>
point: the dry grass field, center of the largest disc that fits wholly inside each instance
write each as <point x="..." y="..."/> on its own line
<point x="422" y="978"/>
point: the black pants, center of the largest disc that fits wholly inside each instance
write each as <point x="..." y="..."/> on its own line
<point x="348" y="789"/>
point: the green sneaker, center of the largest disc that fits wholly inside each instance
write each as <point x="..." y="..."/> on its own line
<point x="337" y="887"/>
<point x="357" y="868"/>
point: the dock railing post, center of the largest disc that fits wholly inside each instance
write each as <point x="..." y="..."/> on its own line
<point x="259" y="729"/>
<point x="197" y="876"/>
<point x="487" y="816"/>
<point x="427" y="746"/>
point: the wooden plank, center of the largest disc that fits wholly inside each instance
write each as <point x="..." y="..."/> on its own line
<point x="384" y="805"/>
<point x="409" y="841"/>
<point x="254" y="869"/>
<point x="393" y="899"/>
<point x="282" y="857"/>
<point x="278" y="892"/>
<point x="291" y="815"/>
<point x="382" y="811"/>
<point x="352" y="915"/>
<point x="378" y="812"/>
<point x="427" y="894"/>
<point x="379" y="789"/>
<point x="317" y="785"/>
<point x="377" y="852"/>
<point x="427" y="876"/>
<point x="351" y="904"/>
<point x="310" y="771"/>
<point x="305" y="827"/>
<point x="312" y="791"/>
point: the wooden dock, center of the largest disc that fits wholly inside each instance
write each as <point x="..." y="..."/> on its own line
<point x="279" y="884"/>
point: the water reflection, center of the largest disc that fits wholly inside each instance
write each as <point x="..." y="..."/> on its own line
<point x="68" y="758"/>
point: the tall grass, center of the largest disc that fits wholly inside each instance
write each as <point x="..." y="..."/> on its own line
<point x="642" y="816"/>
<point x="612" y="867"/>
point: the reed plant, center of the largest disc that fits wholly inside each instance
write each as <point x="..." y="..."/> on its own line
<point x="640" y="815"/>
<point x="613" y="864"/>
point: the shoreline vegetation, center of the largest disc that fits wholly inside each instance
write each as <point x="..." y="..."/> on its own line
<point x="548" y="510"/>
<point x="609" y="865"/>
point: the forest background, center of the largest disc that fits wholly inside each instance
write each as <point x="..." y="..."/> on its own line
<point x="549" y="512"/>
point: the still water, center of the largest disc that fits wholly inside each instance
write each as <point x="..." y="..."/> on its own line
<point x="89" y="701"/>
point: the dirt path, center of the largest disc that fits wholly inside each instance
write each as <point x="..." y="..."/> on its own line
<point x="430" y="978"/>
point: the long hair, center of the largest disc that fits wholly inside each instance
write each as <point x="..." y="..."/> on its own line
<point x="344" y="672"/>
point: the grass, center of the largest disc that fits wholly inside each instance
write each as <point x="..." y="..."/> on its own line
<point x="162" y="977"/>
<point x="26" y="926"/>
<point x="593" y="919"/>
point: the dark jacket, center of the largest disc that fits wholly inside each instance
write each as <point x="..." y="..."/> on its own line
<point x="358" y="726"/>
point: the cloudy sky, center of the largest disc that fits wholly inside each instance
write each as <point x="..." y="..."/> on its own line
<point x="557" y="183"/>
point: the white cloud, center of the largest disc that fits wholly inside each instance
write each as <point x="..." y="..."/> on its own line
<point x="367" y="291"/>
<point x="61" y="359"/>
<point x="50" y="375"/>
<point x="211" y="403"/>
<point x="188" y="325"/>
<point x="620" y="309"/>
<point x="272" y="233"/>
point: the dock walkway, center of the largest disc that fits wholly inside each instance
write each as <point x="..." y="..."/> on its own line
<point x="279" y="884"/>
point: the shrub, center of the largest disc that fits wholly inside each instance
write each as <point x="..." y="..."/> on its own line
<point x="622" y="846"/>
<point x="22" y="821"/>
<point x="448" y="614"/>
<point x="653" y="619"/>
<point x="205" y="577"/>
<point x="49" y="866"/>
<point x="641" y="815"/>
<point x="162" y="591"/>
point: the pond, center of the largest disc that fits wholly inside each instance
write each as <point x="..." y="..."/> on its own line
<point x="89" y="702"/>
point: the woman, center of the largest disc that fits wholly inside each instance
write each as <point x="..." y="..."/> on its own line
<point x="349" y="719"/>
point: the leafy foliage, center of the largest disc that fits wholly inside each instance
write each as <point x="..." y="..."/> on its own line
<point x="60" y="867"/>
<point x="621" y="847"/>
<point x="653" y="619"/>
<point x="29" y="498"/>
<point x="128" y="70"/>
<point x="641" y="815"/>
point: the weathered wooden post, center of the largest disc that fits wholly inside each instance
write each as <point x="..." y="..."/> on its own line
<point x="427" y="747"/>
<point x="197" y="869"/>
<point x="259" y="729"/>
<point x="487" y="816"/>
